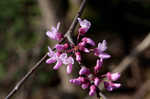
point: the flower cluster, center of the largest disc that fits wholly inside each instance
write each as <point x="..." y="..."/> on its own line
<point x="66" y="53"/>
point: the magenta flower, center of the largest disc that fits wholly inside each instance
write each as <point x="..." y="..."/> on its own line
<point x="110" y="86"/>
<point x="99" y="51"/>
<point x="88" y="41"/>
<point x="85" y="25"/>
<point x="78" y="57"/>
<point x="113" y="76"/>
<point x="98" y="66"/>
<point x="54" y="34"/>
<point x="77" y="81"/>
<point x="60" y="47"/>
<point x="85" y="85"/>
<point x="55" y="57"/>
<point x="84" y="71"/>
<point x="96" y="81"/>
<point x="84" y="42"/>
<point x="60" y="59"/>
<point x="92" y="90"/>
<point x="69" y="62"/>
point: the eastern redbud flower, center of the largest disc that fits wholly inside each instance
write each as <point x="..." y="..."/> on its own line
<point x="60" y="58"/>
<point x="55" y="57"/>
<point x="78" y="56"/>
<point x="96" y="81"/>
<point x="88" y="41"/>
<point x="110" y="86"/>
<point x="99" y="51"/>
<point x="82" y="47"/>
<point x="113" y="76"/>
<point x="59" y="47"/>
<point x="98" y="66"/>
<point x="92" y="90"/>
<point x="54" y="34"/>
<point x="85" y="25"/>
<point x="85" y="85"/>
<point x="84" y="71"/>
<point x="69" y="62"/>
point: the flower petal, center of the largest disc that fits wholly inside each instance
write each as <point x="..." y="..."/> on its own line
<point x="50" y="60"/>
<point x="104" y="56"/>
<point x="58" y="64"/>
<point x="69" y="68"/>
<point x="102" y="46"/>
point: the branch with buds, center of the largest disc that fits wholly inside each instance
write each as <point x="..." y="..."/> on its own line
<point x="67" y="51"/>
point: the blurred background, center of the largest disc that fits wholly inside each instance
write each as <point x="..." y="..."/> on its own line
<point x="23" y="23"/>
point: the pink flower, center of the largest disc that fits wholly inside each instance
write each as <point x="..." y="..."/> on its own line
<point x="85" y="25"/>
<point x="77" y="81"/>
<point x="110" y="86"/>
<point x="69" y="62"/>
<point x="85" y="85"/>
<point x="98" y="66"/>
<point x="54" y="34"/>
<point x="83" y="48"/>
<point x="55" y="57"/>
<point x="96" y="81"/>
<point x="59" y="47"/>
<point x="84" y="71"/>
<point x="92" y="90"/>
<point x="78" y="56"/>
<point x="60" y="59"/>
<point x="99" y="51"/>
<point x="88" y="41"/>
<point x="113" y="76"/>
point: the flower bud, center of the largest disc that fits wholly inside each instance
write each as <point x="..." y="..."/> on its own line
<point x="98" y="66"/>
<point x="92" y="90"/>
<point x="113" y="76"/>
<point x="84" y="71"/>
<point x="96" y="81"/>
<point x="89" y="41"/>
<point x="85" y="85"/>
<point x="78" y="56"/>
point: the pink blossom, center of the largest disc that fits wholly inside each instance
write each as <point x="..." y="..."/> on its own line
<point x="54" y="34"/>
<point x="84" y="71"/>
<point x="85" y="25"/>
<point x="85" y="85"/>
<point x="96" y="81"/>
<point x="113" y="76"/>
<point x="69" y="62"/>
<point x="110" y="86"/>
<point x="98" y="66"/>
<point x="78" y="56"/>
<point x="83" y="48"/>
<point x="88" y="41"/>
<point x="92" y="90"/>
<point x="60" y="59"/>
<point x="59" y="47"/>
<point x="54" y="57"/>
<point x="99" y="51"/>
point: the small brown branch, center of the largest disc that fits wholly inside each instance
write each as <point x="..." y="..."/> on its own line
<point x="133" y="55"/>
<point x="20" y="83"/>
<point x="142" y="91"/>
<point x="68" y="35"/>
<point x="74" y="23"/>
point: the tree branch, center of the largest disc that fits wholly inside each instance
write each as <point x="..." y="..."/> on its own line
<point x="68" y="35"/>
<point x="21" y="82"/>
<point x="132" y="56"/>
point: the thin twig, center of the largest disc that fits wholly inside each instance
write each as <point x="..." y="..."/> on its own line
<point x="20" y="83"/>
<point x="132" y="56"/>
<point x="67" y="35"/>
